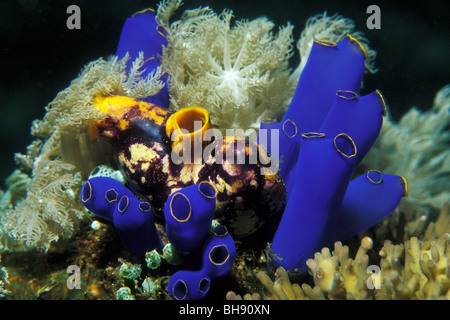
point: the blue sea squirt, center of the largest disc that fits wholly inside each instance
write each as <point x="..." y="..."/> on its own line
<point x="334" y="129"/>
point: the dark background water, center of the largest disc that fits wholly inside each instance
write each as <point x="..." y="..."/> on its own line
<point x="40" y="56"/>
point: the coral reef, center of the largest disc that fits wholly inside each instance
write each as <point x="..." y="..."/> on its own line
<point x="238" y="73"/>
<point x="140" y="134"/>
<point x="62" y="147"/>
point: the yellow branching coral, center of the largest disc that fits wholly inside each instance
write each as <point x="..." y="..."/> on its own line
<point x="280" y="289"/>
<point x="336" y="276"/>
<point x="424" y="274"/>
<point x="416" y="269"/>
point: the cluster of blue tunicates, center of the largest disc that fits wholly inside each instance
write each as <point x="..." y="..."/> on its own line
<point x="189" y="215"/>
<point x="323" y="136"/>
<point x="112" y="202"/>
<point x="218" y="253"/>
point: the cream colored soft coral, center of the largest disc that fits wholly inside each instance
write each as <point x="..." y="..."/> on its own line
<point x="280" y="289"/>
<point x="239" y="70"/>
<point x="63" y="149"/>
<point x="236" y="70"/>
<point x="424" y="274"/>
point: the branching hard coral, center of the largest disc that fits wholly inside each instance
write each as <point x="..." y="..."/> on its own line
<point x="232" y="70"/>
<point x="415" y="269"/>
<point x="418" y="147"/>
<point x="335" y="274"/>
<point x="424" y="273"/>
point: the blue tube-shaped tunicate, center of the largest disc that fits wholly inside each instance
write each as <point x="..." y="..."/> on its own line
<point x="133" y="221"/>
<point x="330" y="67"/>
<point x="188" y="214"/>
<point x="219" y="253"/>
<point x="189" y="285"/>
<point x="369" y="199"/>
<point x="360" y="117"/>
<point x="323" y="172"/>
<point x="100" y="195"/>
<point x="282" y="141"/>
<point x="141" y="33"/>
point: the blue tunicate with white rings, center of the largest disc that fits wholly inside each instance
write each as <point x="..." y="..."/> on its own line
<point x="369" y="199"/>
<point x="188" y="214"/>
<point x="219" y="253"/>
<point x="133" y="221"/>
<point x="189" y="285"/>
<point x="100" y="195"/>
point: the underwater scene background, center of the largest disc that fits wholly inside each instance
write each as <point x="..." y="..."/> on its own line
<point x="401" y="253"/>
